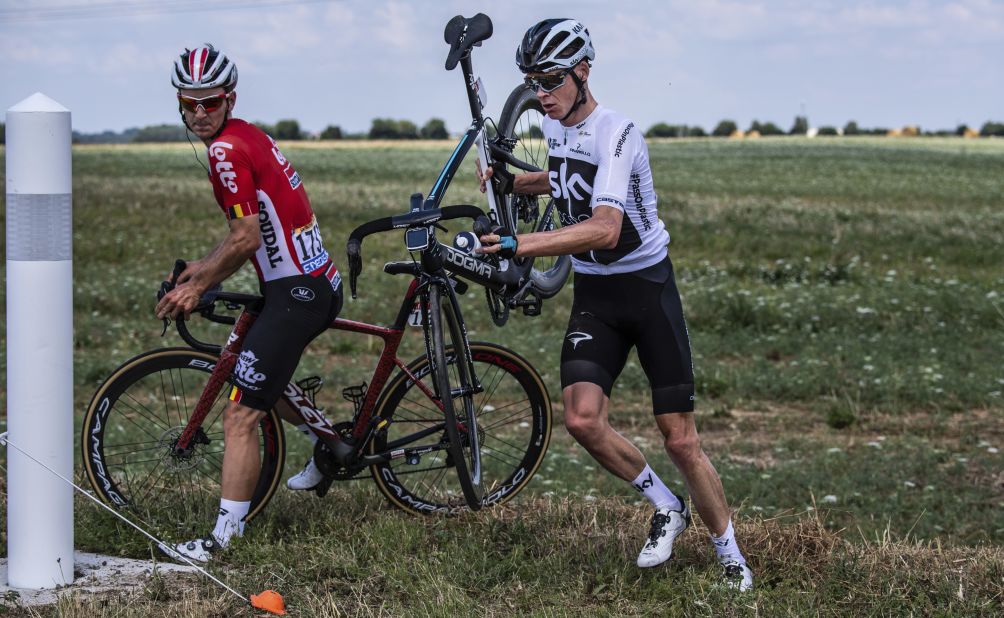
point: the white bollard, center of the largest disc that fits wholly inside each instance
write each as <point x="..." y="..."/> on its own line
<point x="39" y="343"/>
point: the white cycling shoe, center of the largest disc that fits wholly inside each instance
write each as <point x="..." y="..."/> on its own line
<point x="737" y="575"/>
<point x="666" y="526"/>
<point x="308" y="478"/>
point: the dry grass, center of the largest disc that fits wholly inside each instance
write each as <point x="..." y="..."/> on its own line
<point x="576" y="557"/>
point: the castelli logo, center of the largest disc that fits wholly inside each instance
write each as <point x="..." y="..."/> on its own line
<point x="302" y="294"/>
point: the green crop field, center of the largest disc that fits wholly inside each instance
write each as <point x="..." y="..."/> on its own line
<point x="845" y="299"/>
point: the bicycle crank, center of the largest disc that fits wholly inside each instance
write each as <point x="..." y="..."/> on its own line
<point x="328" y="463"/>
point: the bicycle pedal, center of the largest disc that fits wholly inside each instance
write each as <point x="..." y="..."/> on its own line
<point x="321" y="489"/>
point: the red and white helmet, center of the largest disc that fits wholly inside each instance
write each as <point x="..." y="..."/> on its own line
<point x="204" y="67"/>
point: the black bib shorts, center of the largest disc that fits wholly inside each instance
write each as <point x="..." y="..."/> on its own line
<point x="613" y="313"/>
<point x="297" y="309"/>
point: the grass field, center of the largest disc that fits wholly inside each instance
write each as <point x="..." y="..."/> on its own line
<point x="845" y="300"/>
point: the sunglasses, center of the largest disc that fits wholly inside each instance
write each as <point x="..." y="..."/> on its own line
<point x="547" y="82"/>
<point x="209" y="104"/>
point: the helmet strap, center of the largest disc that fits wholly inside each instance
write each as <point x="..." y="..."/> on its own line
<point x="580" y="97"/>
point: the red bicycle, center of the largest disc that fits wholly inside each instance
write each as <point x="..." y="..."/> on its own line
<point x="463" y="426"/>
<point x="152" y="437"/>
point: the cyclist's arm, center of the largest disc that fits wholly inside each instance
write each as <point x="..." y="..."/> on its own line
<point x="601" y="231"/>
<point x="223" y="261"/>
<point x="227" y="258"/>
<point x="532" y="183"/>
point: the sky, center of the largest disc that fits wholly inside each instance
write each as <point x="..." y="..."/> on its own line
<point x="345" y="62"/>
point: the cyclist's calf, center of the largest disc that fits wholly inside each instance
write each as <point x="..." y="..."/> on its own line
<point x="681" y="440"/>
<point x="241" y="460"/>
<point x="239" y="419"/>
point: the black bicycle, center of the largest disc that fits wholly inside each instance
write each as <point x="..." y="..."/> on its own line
<point x="516" y="141"/>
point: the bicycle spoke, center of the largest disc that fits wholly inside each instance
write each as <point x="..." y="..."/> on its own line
<point x="509" y="461"/>
<point x="520" y="414"/>
<point x="139" y="426"/>
<point x="119" y="448"/>
<point x="153" y="419"/>
<point x="154" y="482"/>
<point x="175" y="398"/>
<point x="167" y="399"/>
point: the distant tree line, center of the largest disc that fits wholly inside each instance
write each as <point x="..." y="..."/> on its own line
<point x="287" y="129"/>
<point x="435" y="128"/>
<point x="800" y="126"/>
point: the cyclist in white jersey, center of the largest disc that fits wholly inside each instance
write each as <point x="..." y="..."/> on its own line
<point x="625" y="293"/>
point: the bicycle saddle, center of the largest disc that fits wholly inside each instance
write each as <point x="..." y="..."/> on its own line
<point x="462" y="34"/>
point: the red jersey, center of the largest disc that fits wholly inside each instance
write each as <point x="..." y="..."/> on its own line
<point x="250" y="177"/>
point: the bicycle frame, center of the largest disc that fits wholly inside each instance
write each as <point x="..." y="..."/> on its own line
<point x="298" y="401"/>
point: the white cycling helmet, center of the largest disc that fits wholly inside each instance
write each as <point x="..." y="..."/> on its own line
<point x="204" y="67"/>
<point x="554" y="44"/>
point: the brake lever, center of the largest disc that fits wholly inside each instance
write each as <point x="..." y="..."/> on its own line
<point x="167" y="286"/>
<point x="352" y="249"/>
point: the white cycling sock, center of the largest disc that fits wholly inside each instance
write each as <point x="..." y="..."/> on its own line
<point x="651" y="486"/>
<point x="726" y="546"/>
<point x="231" y="520"/>
<point x="305" y="430"/>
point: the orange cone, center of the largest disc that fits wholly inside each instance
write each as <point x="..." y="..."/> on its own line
<point x="270" y="601"/>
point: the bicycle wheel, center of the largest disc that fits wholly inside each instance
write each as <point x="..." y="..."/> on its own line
<point x="127" y="436"/>
<point x="514" y="424"/>
<point x="521" y="120"/>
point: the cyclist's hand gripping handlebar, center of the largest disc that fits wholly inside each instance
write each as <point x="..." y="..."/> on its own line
<point x="483" y="226"/>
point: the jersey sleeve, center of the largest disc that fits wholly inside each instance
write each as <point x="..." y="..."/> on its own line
<point x="233" y="179"/>
<point x="616" y="159"/>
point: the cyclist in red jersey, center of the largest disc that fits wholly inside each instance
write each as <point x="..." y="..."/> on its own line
<point x="272" y="225"/>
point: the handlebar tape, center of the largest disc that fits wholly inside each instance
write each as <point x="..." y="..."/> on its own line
<point x="371" y="227"/>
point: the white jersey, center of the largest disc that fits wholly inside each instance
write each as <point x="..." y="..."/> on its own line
<point x="603" y="161"/>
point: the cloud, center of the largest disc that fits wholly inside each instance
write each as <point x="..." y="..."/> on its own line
<point x="396" y="26"/>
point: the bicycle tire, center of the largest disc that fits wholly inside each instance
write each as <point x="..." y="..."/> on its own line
<point x="520" y="119"/>
<point x="126" y="435"/>
<point x="514" y="417"/>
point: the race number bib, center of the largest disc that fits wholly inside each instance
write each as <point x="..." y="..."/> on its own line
<point x="309" y="248"/>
